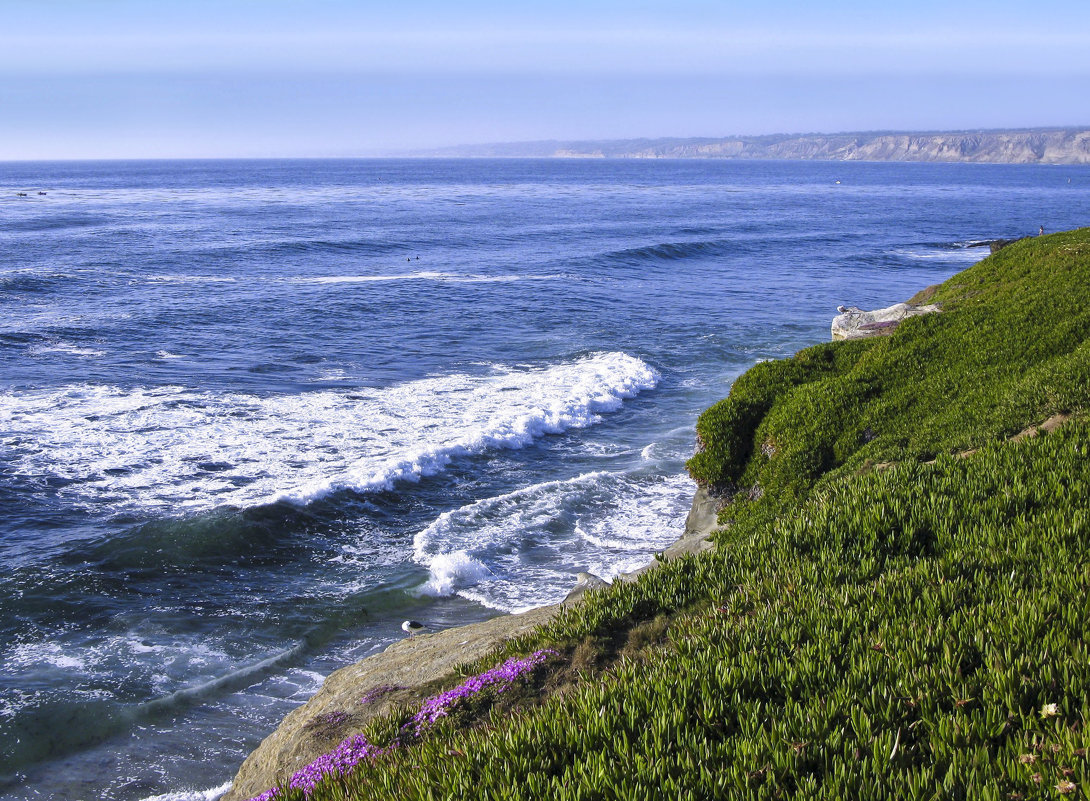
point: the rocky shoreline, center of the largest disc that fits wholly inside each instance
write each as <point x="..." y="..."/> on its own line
<point x="401" y="672"/>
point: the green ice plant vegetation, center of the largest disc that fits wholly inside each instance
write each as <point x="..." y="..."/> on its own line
<point x="1010" y="348"/>
<point x="898" y="605"/>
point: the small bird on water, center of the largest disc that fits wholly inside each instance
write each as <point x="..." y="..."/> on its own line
<point x="412" y="627"/>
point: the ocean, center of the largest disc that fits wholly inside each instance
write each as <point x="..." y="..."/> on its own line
<point x="254" y="414"/>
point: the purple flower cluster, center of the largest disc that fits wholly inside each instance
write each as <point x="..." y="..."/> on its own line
<point x="378" y="692"/>
<point x="438" y="706"/>
<point x="341" y="760"/>
<point x="355" y="749"/>
<point x="338" y="762"/>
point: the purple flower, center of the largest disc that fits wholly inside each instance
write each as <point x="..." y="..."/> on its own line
<point x="351" y="752"/>
<point x="378" y="692"/>
<point x="338" y="762"/>
<point x="438" y="706"/>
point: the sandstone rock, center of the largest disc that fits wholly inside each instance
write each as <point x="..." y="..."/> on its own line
<point x="704" y="514"/>
<point x="335" y="710"/>
<point x="585" y="582"/>
<point x="854" y="323"/>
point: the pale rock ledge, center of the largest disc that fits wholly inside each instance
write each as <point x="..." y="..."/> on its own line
<point x="854" y="323"/>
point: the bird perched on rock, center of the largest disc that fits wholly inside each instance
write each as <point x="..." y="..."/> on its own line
<point x="412" y="627"/>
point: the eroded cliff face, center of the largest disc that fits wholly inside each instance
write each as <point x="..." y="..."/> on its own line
<point x="1053" y="147"/>
<point x="1001" y="147"/>
<point x="1037" y="146"/>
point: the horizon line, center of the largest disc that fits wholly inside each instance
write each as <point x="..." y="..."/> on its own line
<point x="433" y="151"/>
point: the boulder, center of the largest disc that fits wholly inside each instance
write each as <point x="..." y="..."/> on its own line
<point x="585" y="582"/>
<point x="998" y="244"/>
<point x="854" y="323"/>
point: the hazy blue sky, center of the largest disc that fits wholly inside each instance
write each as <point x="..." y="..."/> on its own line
<point x="145" y="78"/>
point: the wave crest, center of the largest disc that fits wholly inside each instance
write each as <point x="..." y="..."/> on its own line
<point x="174" y="449"/>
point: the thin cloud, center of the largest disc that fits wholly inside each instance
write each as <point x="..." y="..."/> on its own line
<point x="557" y="51"/>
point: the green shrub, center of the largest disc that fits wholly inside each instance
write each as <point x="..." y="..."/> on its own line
<point x="1009" y="349"/>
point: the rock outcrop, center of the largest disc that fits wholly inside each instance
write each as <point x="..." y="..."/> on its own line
<point x="585" y="582"/>
<point x="382" y="681"/>
<point x="854" y="323"/>
<point x="998" y="244"/>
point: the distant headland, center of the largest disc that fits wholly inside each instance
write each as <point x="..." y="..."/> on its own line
<point x="1025" y="146"/>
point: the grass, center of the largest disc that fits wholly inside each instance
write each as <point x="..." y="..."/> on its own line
<point x="912" y="632"/>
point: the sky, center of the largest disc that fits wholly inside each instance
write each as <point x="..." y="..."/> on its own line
<point x="318" y="78"/>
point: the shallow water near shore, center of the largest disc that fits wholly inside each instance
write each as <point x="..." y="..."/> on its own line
<point x="255" y="414"/>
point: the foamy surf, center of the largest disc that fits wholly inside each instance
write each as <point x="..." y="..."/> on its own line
<point x="192" y="795"/>
<point x="957" y="252"/>
<point x="171" y="448"/>
<point x="427" y="275"/>
<point x="521" y="549"/>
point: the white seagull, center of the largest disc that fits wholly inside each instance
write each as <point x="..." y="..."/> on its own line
<point x="412" y="627"/>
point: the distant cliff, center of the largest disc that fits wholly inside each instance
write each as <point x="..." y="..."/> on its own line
<point x="1037" y="146"/>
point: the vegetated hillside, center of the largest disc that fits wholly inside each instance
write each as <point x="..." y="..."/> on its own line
<point x="1034" y="146"/>
<point x="897" y="607"/>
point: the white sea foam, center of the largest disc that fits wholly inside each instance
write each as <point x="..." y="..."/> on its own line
<point x="68" y="348"/>
<point x="176" y="448"/>
<point x="14" y="701"/>
<point x="955" y="254"/>
<point x="168" y="666"/>
<point x="308" y="681"/>
<point x="453" y="571"/>
<point x="42" y="653"/>
<point x="192" y="795"/>
<point x="521" y="549"/>
<point x="428" y="275"/>
<point x="189" y="279"/>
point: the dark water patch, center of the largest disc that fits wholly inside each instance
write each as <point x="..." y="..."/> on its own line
<point x="310" y="247"/>
<point x="698" y="230"/>
<point x="54" y="729"/>
<point x="668" y="251"/>
<point x="215" y="467"/>
<point x="20" y="338"/>
<point x="272" y="367"/>
<point x="266" y="535"/>
<point x="57" y="222"/>
<point x="37" y="283"/>
<point x="961" y="244"/>
<point x="732" y="246"/>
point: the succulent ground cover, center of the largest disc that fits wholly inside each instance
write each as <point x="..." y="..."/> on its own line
<point x="915" y="631"/>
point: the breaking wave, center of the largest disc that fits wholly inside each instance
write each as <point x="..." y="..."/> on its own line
<point x="176" y="449"/>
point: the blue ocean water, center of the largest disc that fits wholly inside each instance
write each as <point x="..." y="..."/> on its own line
<point x="255" y="414"/>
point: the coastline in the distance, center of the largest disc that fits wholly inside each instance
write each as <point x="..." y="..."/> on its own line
<point x="1019" y="146"/>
